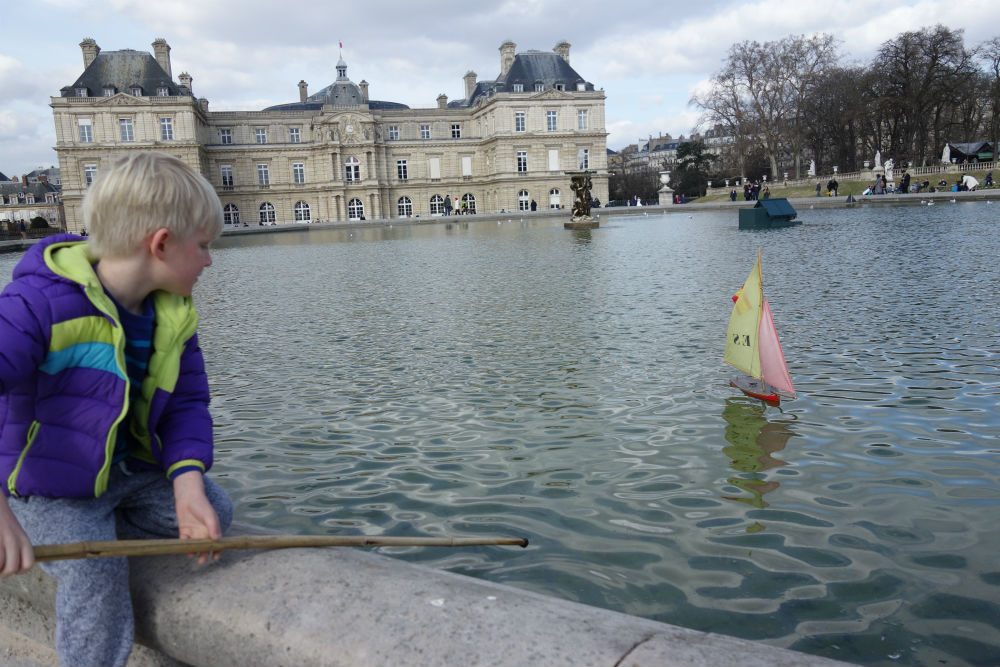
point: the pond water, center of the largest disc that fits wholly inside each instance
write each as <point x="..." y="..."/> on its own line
<point x="478" y="378"/>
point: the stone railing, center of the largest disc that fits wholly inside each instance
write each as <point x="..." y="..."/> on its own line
<point x="310" y="607"/>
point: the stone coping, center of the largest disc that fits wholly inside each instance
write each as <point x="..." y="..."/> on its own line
<point x="349" y="607"/>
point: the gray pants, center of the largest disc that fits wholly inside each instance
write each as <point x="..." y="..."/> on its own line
<point x="94" y="621"/>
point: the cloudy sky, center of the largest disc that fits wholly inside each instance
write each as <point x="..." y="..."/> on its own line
<point x="648" y="56"/>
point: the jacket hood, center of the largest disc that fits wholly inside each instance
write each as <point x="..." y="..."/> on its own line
<point x="34" y="262"/>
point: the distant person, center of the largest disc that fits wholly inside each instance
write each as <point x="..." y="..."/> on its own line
<point x="119" y="445"/>
<point x="732" y="195"/>
<point x="447" y="205"/>
<point x="817" y="189"/>
<point x="766" y="194"/>
<point x="988" y="181"/>
<point x="832" y="186"/>
<point x="904" y="183"/>
<point x="534" y="205"/>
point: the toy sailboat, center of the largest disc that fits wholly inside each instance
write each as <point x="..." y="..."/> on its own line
<point x="752" y="345"/>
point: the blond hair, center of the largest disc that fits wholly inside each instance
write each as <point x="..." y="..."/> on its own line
<point x="142" y="192"/>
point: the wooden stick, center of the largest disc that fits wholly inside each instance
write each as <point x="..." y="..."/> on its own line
<point x="115" y="548"/>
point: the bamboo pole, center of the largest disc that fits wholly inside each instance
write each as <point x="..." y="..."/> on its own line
<point x="117" y="548"/>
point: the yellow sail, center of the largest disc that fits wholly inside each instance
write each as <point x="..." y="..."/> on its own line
<point x="744" y="325"/>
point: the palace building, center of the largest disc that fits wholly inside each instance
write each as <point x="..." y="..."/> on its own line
<point x="337" y="155"/>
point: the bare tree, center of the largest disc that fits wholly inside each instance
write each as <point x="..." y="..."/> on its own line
<point x="760" y="91"/>
<point x="989" y="53"/>
<point x="928" y="69"/>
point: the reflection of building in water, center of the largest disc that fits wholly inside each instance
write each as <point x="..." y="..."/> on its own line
<point x="752" y="440"/>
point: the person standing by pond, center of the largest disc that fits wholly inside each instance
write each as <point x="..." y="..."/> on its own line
<point x="107" y="431"/>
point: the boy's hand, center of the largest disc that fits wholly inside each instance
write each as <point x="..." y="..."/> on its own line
<point x="16" y="554"/>
<point x="196" y="518"/>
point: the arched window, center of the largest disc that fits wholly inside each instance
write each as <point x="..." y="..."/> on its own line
<point x="355" y="209"/>
<point x="266" y="213"/>
<point x="523" y="201"/>
<point x="554" y="198"/>
<point x="302" y="212"/>
<point x="352" y="169"/>
<point x="437" y="205"/>
<point x="468" y="203"/>
<point x="404" y="207"/>
<point x="231" y="214"/>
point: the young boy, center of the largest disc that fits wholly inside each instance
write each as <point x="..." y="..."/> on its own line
<point x="105" y="431"/>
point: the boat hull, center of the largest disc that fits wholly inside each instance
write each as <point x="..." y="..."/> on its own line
<point x="755" y="388"/>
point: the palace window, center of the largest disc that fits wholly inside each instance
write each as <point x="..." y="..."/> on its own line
<point x="226" y="136"/>
<point x="125" y="129"/>
<point x="437" y="205"/>
<point x="109" y="91"/>
<point x="266" y="214"/>
<point x="231" y="214"/>
<point x="81" y="92"/>
<point x="355" y="209"/>
<point x="162" y="91"/>
<point x="468" y="203"/>
<point x="86" y="130"/>
<point x="583" y="158"/>
<point x="554" y="199"/>
<point x="522" y="162"/>
<point x="456" y="130"/>
<point x="261" y="134"/>
<point x="135" y="91"/>
<point x="581" y="119"/>
<point x="551" y="120"/>
<point x="298" y="173"/>
<point x="166" y="129"/>
<point x="425" y="131"/>
<point x="352" y="170"/>
<point x="404" y="207"/>
<point x="226" y="171"/>
<point x="401" y="171"/>
<point x="519" y="123"/>
<point x="523" y="201"/>
<point x="302" y="213"/>
<point x="263" y="175"/>
<point x="89" y="174"/>
<point x="518" y="88"/>
<point x="294" y="135"/>
<point x="539" y="86"/>
<point x="393" y="133"/>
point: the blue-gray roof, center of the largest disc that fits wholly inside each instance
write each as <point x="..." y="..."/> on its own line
<point x="122" y="70"/>
<point x="529" y="68"/>
<point x="341" y="93"/>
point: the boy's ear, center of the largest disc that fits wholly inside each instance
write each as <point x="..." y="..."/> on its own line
<point x="156" y="242"/>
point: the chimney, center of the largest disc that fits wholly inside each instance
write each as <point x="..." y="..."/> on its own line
<point x="186" y="80"/>
<point x="203" y="103"/>
<point x="562" y="48"/>
<point x="303" y="90"/>
<point x="90" y="50"/>
<point x="442" y="101"/>
<point x="506" y="56"/>
<point x="470" y="84"/>
<point x="364" y="90"/>
<point x="161" y="51"/>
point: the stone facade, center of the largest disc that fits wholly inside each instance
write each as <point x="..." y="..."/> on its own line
<point x="338" y="155"/>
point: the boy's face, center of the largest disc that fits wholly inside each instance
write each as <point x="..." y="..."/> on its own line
<point x="183" y="261"/>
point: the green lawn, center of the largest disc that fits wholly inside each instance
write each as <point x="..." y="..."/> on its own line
<point x="846" y="187"/>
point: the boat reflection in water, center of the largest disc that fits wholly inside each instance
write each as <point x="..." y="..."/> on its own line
<point x="752" y="440"/>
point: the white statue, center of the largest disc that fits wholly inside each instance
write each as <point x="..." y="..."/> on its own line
<point x="812" y="167"/>
<point x="878" y="159"/>
<point x="946" y="154"/>
<point x="888" y="169"/>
